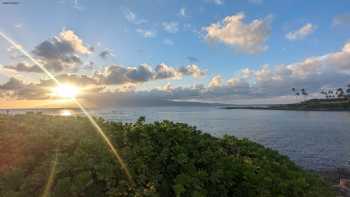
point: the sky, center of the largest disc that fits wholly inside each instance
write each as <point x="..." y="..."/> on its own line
<point x="139" y="51"/>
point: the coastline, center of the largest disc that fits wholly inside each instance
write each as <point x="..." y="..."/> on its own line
<point x="342" y="104"/>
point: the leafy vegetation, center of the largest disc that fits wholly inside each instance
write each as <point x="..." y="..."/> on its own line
<point x="164" y="159"/>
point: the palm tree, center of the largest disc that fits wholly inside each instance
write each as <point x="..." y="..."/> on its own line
<point x="340" y="93"/>
<point x="330" y="94"/>
<point x="304" y="93"/>
<point x="294" y="91"/>
<point x="323" y="92"/>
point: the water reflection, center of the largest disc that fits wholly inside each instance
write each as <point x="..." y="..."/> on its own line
<point x="66" y="112"/>
<point x="314" y="140"/>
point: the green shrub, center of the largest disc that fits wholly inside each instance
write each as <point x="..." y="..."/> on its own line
<point x="164" y="159"/>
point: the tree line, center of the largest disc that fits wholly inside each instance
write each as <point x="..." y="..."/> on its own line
<point x="330" y="93"/>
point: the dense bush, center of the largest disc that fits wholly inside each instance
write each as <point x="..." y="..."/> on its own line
<point x="164" y="159"/>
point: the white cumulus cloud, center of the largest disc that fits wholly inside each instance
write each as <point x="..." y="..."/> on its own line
<point x="215" y="81"/>
<point x="246" y="37"/>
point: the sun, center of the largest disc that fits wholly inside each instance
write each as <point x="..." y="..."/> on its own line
<point x="66" y="91"/>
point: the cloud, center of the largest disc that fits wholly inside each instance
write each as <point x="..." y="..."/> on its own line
<point x="341" y="20"/>
<point x="12" y="84"/>
<point x="24" y="67"/>
<point x="163" y="71"/>
<point x="132" y="18"/>
<point x="105" y="54"/>
<point x="245" y="37"/>
<point x="220" y="2"/>
<point x="77" y="5"/>
<point x="170" y="27"/>
<point x="256" y="1"/>
<point x="182" y="12"/>
<point x="217" y="2"/>
<point x="314" y="73"/>
<point x="18" y="26"/>
<point x="66" y="42"/>
<point x="142" y="73"/>
<point x="192" y="70"/>
<point x="302" y="32"/>
<point x="167" y="87"/>
<point x="17" y="89"/>
<point x="168" y="42"/>
<point x="118" y="75"/>
<point x="121" y="79"/>
<point x="146" y="33"/>
<point x="192" y="59"/>
<point x="79" y="80"/>
<point x="215" y="81"/>
<point x="61" y="53"/>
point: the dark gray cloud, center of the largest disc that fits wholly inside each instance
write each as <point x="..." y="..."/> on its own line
<point x="117" y="75"/>
<point x="105" y="54"/>
<point x="24" y="67"/>
<point x="12" y="84"/>
<point x="60" y="53"/>
<point x="342" y="20"/>
<point x="192" y="59"/>
<point x="15" y="88"/>
<point x="114" y="74"/>
<point x="142" y="73"/>
<point x="79" y="80"/>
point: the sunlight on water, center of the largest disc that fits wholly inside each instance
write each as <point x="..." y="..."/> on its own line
<point x="66" y="112"/>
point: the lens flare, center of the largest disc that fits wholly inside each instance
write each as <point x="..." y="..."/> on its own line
<point x="50" y="180"/>
<point x="87" y="114"/>
<point x="66" y="113"/>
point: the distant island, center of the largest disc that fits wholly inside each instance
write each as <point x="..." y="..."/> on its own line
<point x="328" y="104"/>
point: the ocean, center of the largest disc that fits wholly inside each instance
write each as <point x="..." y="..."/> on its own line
<point x="315" y="140"/>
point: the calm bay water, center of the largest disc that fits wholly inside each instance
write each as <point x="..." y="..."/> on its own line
<point x="314" y="140"/>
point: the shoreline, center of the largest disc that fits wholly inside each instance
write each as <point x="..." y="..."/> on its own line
<point x="339" y="104"/>
<point x="285" y="109"/>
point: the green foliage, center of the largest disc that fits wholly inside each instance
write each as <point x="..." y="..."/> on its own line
<point x="164" y="159"/>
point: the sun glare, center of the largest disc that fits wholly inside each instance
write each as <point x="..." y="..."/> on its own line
<point x="66" y="91"/>
<point x="66" y="113"/>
